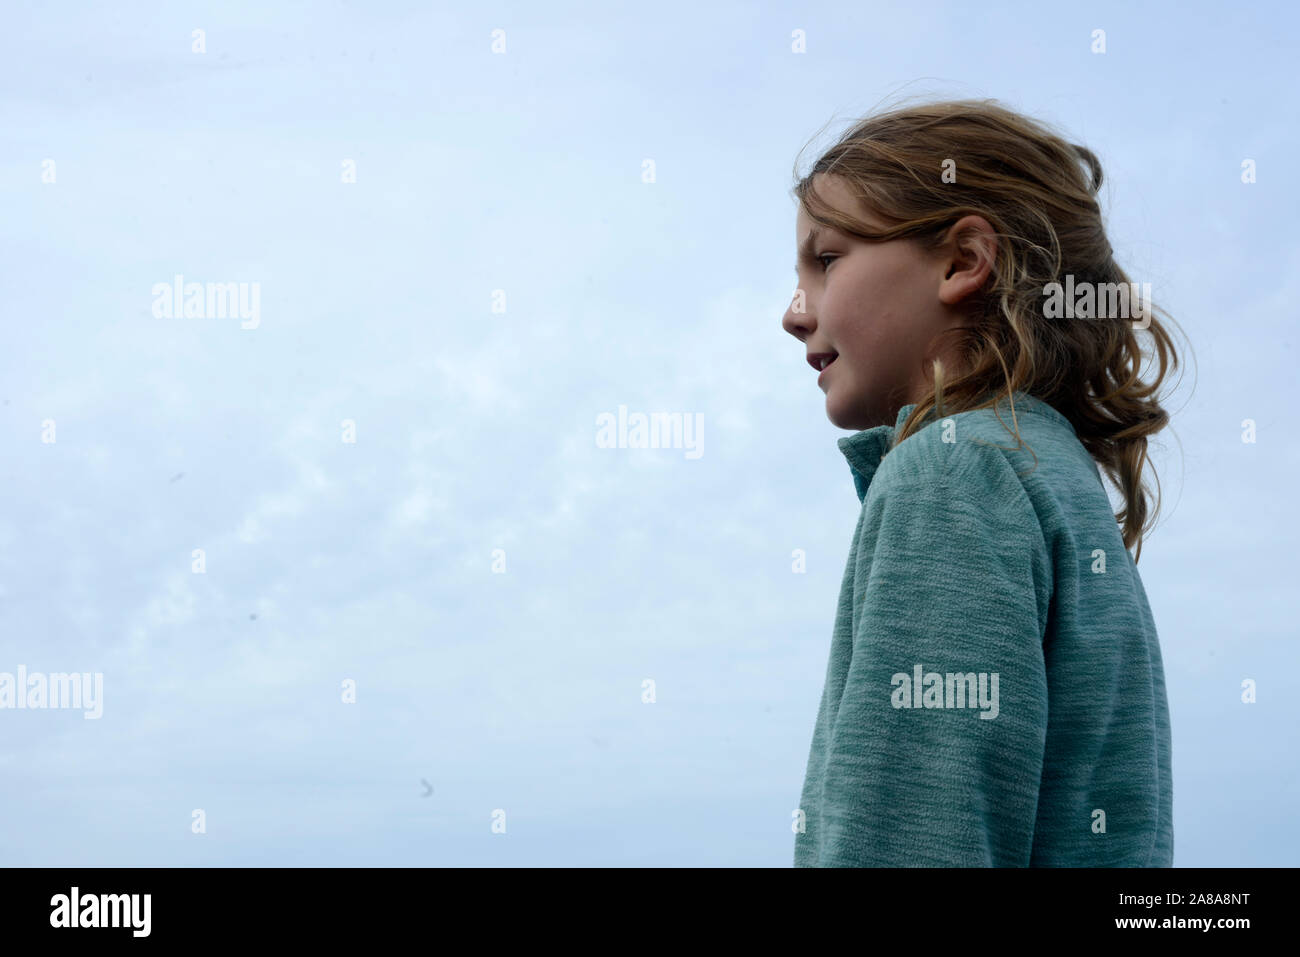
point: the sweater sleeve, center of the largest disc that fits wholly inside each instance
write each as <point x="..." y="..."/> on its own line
<point x="959" y="584"/>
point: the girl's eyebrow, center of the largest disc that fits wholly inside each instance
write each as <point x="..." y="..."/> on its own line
<point x="806" y="247"/>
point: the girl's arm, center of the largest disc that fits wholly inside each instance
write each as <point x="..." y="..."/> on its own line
<point x="959" y="584"/>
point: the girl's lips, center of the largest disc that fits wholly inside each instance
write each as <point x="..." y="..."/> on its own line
<point x="826" y="370"/>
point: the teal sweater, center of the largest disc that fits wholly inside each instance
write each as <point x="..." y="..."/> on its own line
<point x="995" y="695"/>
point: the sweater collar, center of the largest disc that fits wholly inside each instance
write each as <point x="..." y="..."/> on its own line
<point x="865" y="449"/>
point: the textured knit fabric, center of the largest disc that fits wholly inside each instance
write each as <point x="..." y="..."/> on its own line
<point x="970" y="563"/>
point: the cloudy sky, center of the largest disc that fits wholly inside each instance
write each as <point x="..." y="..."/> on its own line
<point x="391" y="478"/>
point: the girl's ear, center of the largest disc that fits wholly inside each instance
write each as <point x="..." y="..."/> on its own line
<point x="970" y="251"/>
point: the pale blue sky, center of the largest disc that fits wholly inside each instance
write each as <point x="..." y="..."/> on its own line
<point x="372" y="561"/>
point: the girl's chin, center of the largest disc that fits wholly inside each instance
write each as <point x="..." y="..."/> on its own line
<point x="845" y="415"/>
<point x="840" y="418"/>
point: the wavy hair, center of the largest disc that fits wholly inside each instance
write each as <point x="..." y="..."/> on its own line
<point x="1039" y="193"/>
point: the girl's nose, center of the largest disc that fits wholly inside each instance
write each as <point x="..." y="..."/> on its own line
<point x="798" y="324"/>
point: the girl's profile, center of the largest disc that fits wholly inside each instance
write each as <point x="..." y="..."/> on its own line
<point x="995" y="694"/>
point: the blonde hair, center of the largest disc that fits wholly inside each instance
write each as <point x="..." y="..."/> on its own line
<point x="1029" y="184"/>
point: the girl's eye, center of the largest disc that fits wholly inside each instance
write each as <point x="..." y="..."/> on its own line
<point x="824" y="256"/>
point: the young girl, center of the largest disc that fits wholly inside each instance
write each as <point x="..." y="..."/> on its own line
<point x="995" y="694"/>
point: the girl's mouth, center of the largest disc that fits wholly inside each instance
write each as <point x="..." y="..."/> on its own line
<point x="821" y="360"/>
<point x="821" y="379"/>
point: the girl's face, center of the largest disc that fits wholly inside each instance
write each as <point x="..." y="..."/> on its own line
<point x="875" y="309"/>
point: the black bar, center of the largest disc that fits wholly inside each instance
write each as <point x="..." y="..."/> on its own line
<point x="654" y="906"/>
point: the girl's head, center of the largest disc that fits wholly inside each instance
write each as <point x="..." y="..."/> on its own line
<point x="927" y="236"/>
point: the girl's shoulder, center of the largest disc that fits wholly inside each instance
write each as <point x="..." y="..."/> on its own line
<point x="991" y="449"/>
